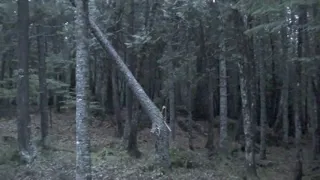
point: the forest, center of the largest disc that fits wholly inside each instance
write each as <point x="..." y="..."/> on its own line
<point x="160" y="89"/>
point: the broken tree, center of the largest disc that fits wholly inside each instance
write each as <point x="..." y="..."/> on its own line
<point x="159" y="128"/>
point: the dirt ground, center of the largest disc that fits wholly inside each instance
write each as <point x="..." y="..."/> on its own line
<point x="110" y="163"/>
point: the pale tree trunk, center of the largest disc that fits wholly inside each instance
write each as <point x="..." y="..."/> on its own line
<point x="223" y="83"/>
<point x="23" y="118"/>
<point x="223" y="101"/>
<point x="247" y="125"/>
<point x="263" y="110"/>
<point x="83" y="159"/>
<point x="244" y="72"/>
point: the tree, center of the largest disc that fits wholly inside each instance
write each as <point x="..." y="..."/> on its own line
<point x="42" y="78"/>
<point x="114" y="77"/>
<point x="223" y="8"/>
<point x="130" y="134"/>
<point x="83" y="161"/>
<point x="245" y="82"/>
<point x="263" y="113"/>
<point x="24" y="129"/>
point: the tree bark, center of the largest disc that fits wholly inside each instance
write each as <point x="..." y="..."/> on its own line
<point x="285" y="86"/>
<point x="114" y="77"/>
<point x="263" y="110"/>
<point x="243" y="45"/>
<point x="210" y="140"/>
<point x="83" y="157"/>
<point x="42" y="85"/>
<point x="247" y="124"/>
<point x="116" y="101"/>
<point x="172" y="102"/>
<point x="23" y="120"/>
<point x="223" y="82"/>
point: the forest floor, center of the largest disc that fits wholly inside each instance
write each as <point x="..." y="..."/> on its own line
<point x="109" y="163"/>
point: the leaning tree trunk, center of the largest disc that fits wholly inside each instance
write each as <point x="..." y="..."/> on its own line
<point x="83" y="159"/>
<point x="23" y="120"/>
<point x="159" y="127"/>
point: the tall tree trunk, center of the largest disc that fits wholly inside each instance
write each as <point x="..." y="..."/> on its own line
<point x="210" y="140"/>
<point x="285" y="86"/>
<point x="297" y="93"/>
<point x="172" y="102"/>
<point x="316" y="131"/>
<point x="83" y="159"/>
<point x="312" y="114"/>
<point x="42" y="85"/>
<point x="23" y="120"/>
<point x="263" y="110"/>
<point x="223" y="101"/>
<point x="244" y="72"/>
<point x="116" y="101"/>
<point x="223" y="81"/>
<point x="189" y="118"/>
<point x="115" y="97"/>
<point x="316" y="87"/>
<point x="129" y="141"/>
<point x="133" y="142"/>
<point x="247" y="125"/>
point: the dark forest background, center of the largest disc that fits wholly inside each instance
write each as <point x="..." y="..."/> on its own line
<point x="242" y="72"/>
